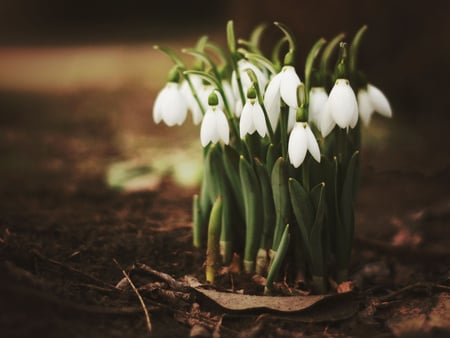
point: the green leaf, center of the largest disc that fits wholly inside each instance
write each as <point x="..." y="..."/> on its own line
<point x="272" y="154"/>
<point x="316" y="237"/>
<point x="213" y="171"/>
<point x="348" y="197"/>
<point x="278" y="260"/>
<point x="303" y="212"/>
<point x="197" y="226"/>
<point x="253" y="215"/>
<point x="212" y="252"/>
<point x="228" y="216"/>
<point x="231" y="166"/>
<point x="267" y="204"/>
<point x="279" y="180"/>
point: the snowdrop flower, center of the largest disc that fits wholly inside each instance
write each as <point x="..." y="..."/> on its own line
<point x="228" y="91"/>
<point x="246" y="82"/>
<point x="214" y="125"/>
<point x="317" y="99"/>
<point x="170" y="105"/>
<point x="283" y="85"/>
<point x="192" y="103"/>
<point x="302" y="140"/>
<point x="341" y="108"/>
<point x="370" y="100"/>
<point x="252" y="118"/>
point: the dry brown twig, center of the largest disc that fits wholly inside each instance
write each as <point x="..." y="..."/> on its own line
<point x="144" y="307"/>
<point x="173" y="284"/>
<point x="418" y="285"/>
<point x="73" y="270"/>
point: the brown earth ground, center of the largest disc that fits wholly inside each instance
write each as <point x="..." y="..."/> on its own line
<point x="62" y="226"/>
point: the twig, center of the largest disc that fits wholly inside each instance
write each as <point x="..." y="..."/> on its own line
<point x="144" y="307"/>
<point x="73" y="270"/>
<point x="19" y="274"/>
<point x="418" y="285"/>
<point x="173" y="284"/>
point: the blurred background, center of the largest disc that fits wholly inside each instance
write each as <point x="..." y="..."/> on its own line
<point x="91" y="64"/>
<point x="406" y="51"/>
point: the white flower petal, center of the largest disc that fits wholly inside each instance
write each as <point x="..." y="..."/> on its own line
<point x="288" y="86"/>
<point x="326" y="120"/>
<point x="259" y="122"/>
<point x="157" y="111"/>
<point x="238" y="108"/>
<point x="228" y="93"/>
<point x="379" y="102"/>
<point x="174" y="107"/>
<point x="272" y="100"/>
<point x="354" y="119"/>
<point x="291" y="118"/>
<point x="364" y="106"/>
<point x="342" y="101"/>
<point x="246" y="121"/>
<point x="223" y="130"/>
<point x="208" y="128"/>
<point x="297" y="145"/>
<point x="317" y="98"/>
<point x="313" y="146"/>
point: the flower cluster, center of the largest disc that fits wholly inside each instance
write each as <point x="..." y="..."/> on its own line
<point x="280" y="151"/>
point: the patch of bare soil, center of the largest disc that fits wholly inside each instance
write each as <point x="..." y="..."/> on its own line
<point x="68" y="242"/>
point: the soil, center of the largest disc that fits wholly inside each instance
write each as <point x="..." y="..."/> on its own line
<point x="62" y="228"/>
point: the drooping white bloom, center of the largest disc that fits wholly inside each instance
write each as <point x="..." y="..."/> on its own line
<point x="192" y="103"/>
<point x="229" y="95"/>
<point x="246" y="82"/>
<point x="370" y="100"/>
<point x="341" y="108"/>
<point x="238" y="108"/>
<point x="170" y="105"/>
<point x="214" y="127"/>
<point x="252" y="119"/>
<point x="301" y="140"/>
<point x="282" y="86"/>
<point x="317" y="99"/>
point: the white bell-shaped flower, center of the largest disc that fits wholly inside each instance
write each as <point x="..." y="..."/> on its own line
<point x="370" y="100"/>
<point x="341" y="108"/>
<point x="214" y="125"/>
<point x="252" y="119"/>
<point x="282" y="86"/>
<point x="301" y="140"/>
<point x="170" y="105"/>
<point x="229" y="95"/>
<point x="317" y="98"/>
<point x="246" y="81"/>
